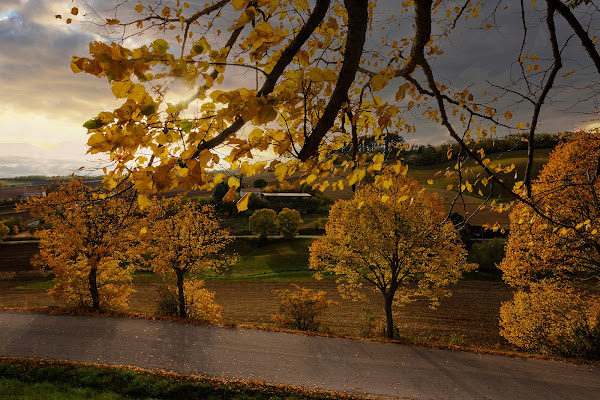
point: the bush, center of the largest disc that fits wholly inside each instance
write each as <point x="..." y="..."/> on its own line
<point x="553" y="319"/>
<point x="15" y="224"/>
<point x="289" y="221"/>
<point x="3" y="231"/>
<point x="488" y="254"/>
<point x="256" y="203"/>
<point x="300" y="308"/>
<point x="199" y="301"/>
<point x="262" y="222"/>
<point x="168" y="303"/>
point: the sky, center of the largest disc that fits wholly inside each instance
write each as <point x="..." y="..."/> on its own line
<point x="44" y="104"/>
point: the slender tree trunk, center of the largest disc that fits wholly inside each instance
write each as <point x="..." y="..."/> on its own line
<point x="182" y="311"/>
<point x="389" y="316"/>
<point x="93" y="284"/>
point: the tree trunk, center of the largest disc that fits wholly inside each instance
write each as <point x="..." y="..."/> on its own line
<point x="182" y="311"/>
<point x="93" y="285"/>
<point x="389" y="316"/>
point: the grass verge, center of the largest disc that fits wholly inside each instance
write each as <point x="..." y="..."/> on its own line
<point x="63" y="379"/>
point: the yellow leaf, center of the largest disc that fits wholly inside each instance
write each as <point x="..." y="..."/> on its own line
<point x="508" y="115"/>
<point x="520" y="125"/>
<point x="449" y="187"/>
<point x="143" y="201"/>
<point x="385" y="198"/>
<point x="403" y="198"/>
<point x="143" y="231"/>
<point x="218" y="178"/>
<point x="122" y="88"/>
<point x="230" y="195"/>
<point x="430" y="181"/>
<point x="242" y="204"/>
<point x="139" y="8"/>
<point x="233" y="182"/>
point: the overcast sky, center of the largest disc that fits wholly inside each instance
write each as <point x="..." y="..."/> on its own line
<point x="44" y="104"/>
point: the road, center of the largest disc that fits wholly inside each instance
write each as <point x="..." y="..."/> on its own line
<point x="353" y="366"/>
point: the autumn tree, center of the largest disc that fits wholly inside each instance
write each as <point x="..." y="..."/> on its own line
<point x="393" y="238"/>
<point x="288" y="221"/>
<point x="185" y="238"/>
<point x="318" y="77"/>
<point x="3" y="231"/>
<point x="85" y="244"/>
<point x="262" y="222"/>
<point x="558" y="252"/>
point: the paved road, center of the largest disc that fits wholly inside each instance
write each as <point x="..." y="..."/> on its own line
<point x="354" y="366"/>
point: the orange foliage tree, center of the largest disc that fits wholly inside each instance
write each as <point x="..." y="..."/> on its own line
<point x="85" y="243"/>
<point x="562" y="250"/>
<point x="183" y="238"/>
<point x="395" y="239"/>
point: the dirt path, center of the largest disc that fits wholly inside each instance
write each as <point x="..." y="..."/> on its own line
<point x="353" y="366"/>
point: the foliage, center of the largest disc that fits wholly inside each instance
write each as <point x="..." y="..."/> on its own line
<point x="262" y="222"/>
<point x="260" y="183"/>
<point x="300" y="308"/>
<point x="324" y="78"/>
<point x="488" y="254"/>
<point x="393" y="237"/>
<point x="288" y="222"/>
<point x="113" y="280"/>
<point x="184" y="237"/>
<point x="200" y="302"/>
<point x="15" y="224"/>
<point x="256" y="203"/>
<point x="220" y="191"/>
<point x="3" y="231"/>
<point x="551" y="255"/>
<point x="89" y="236"/>
<point x="554" y="319"/>
<point x="566" y="245"/>
<point x="168" y="301"/>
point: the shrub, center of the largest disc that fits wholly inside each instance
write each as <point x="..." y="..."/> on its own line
<point x="488" y="254"/>
<point x="256" y="203"/>
<point x="553" y="319"/>
<point x="3" y="231"/>
<point x="300" y="308"/>
<point x="199" y="301"/>
<point x="168" y="302"/>
<point x="289" y="221"/>
<point x="262" y="222"/>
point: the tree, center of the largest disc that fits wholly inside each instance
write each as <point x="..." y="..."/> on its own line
<point x="395" y="239"/>
<point x="262" y="222"/>
<point x="550" y="257"/>
<point x="322" y="77"/>
<point x="288" y="222"/>
<point x="260" y="183"/>
<point x="185" y="238"/>
<point x="3" y="231"/>
<point x="85" y="244"/>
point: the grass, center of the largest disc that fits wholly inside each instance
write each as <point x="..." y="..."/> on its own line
<point x="14" y="389"/>
<point x="275" y="259"/>
<point x="44" y="285"/>
<point x="42" y="379"/>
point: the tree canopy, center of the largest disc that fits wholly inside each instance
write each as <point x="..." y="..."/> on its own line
<point x="396" y="240"/>
<point x="299" y="80"/>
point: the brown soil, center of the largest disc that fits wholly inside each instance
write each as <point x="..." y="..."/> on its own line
<point x="468" y="318"/>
